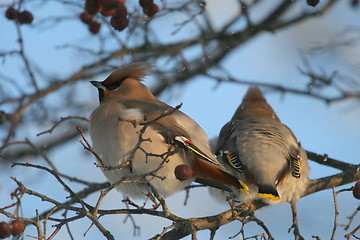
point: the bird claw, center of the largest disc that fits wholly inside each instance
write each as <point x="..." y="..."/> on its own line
<point x="156" y="204"/>
<point x="133" y="122"/>
<point x="296" y="232"/>
<point x="131" y="203"/>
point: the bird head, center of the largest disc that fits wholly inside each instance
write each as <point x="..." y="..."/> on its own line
<point x="125" y="83"/>
<point x="254" y="105"/>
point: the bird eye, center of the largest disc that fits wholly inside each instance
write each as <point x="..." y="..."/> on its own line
<point x="113" y="86"/>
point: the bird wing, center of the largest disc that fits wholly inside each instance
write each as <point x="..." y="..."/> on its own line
<point x="180" y="130"/>
<point x="226" y="148"/>
<point x="171" y="124"/>
<point x="295" y="163"/>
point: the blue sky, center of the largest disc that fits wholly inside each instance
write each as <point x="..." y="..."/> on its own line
<point x="274" y="58"/>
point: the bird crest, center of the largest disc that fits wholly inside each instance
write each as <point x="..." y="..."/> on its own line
<point x="254" y="95"/>
<point x="254" y="105"/>
<point x="136" y="71"/>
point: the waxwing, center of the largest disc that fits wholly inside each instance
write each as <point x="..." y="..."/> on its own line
<point x="169" y="140"/>
<point x="263" y="153"/>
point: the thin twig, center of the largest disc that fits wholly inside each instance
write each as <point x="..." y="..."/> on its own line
<point x="295" y="225"/>
<point x="352" y="233"/>
<point x="52" y="172"/>
<point x="262" y="224"/>
<point x="351" y="218"/>
<point x="63" y="119"/>
<point x="336" y="217"/>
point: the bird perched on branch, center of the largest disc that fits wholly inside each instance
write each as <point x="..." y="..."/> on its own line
<point x="262" y="152"/>
<point x="141" y="140"/>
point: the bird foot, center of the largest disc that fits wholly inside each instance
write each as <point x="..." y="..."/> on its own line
<point x="156" y="204"/>
<point x="133" y="122"/>
<point x="296" y="232"/>
<point x="131" y="203"/>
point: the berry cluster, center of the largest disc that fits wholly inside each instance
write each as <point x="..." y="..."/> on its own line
<point x="114" y="8"/>
<point x="94" y="26"/>
<point x="15" y="228"/>
<point x="24" y="17"/>
<point x="119" y="20"/>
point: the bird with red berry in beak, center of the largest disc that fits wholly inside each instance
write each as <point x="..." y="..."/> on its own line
<point x="145" y="144"/>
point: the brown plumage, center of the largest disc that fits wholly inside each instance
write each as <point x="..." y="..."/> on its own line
<point x="263" y="152"/>
<point x="254" y="105"/>
<point x="125" y="104"/>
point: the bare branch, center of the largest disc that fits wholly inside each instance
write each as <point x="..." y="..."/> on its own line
<point x="335" y="180"/>
<point x="336" y="214"/>
<point x="352" y="233"/>
<point x="62" y="120"/>
<point x="34" y="90"/>
<point x="325" y="160"/>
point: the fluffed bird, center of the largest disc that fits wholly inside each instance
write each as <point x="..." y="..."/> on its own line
<point x="262" y="152"/>
<point x="155" y="152"/>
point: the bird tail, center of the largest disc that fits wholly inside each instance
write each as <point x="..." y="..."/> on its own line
<point x="209" y="171"/>
<point x="211" y="176"/>
<point x="269" y="192"/>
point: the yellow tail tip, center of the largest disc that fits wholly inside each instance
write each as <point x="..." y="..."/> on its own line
<point x="269" y="196"/>
<point x="245" y="189"/>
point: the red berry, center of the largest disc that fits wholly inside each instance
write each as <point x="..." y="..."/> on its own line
<point x="146" y="3"/>
<point x="85" y="17"/>
<point x="121" y="11"/>
<point x="108" y="12"/>
<point x="152" y="10"/>
<point x="119" y="23"/>
<point x="108" y="7"/>
<point x="18" y="228"/>
<point x="356" y="190"/>
<point x="5" y="230"/>
<point x="312" y="3"/>
<point x="11" y="13"/>
<point x="183" y="172"/>
<point x="94" y="27"/>
<point x="25" y="17"/>
<point x="108" y="4"/>
<point x="92" y="7"/>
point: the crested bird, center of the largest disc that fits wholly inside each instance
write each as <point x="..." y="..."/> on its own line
<point x="145" y="144"/>
<point x="262" y="152"/>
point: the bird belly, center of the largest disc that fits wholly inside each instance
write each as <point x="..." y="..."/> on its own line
<point x="123" y="145"/>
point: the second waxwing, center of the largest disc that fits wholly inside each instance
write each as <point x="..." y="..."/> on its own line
<point x="263" y="153"/>
<point x="167" y="142"/>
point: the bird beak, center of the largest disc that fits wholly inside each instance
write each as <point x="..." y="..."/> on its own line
<point x="98" y="85"/>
